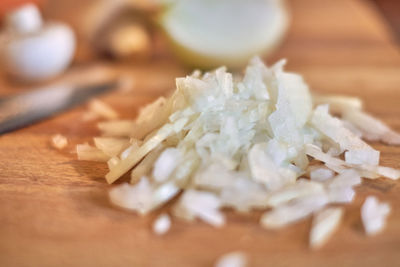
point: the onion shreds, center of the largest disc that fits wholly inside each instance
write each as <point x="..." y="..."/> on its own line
<point x="338" y="104"/>
<point x="134" y="197"/>
<point x="340" y="188"/>
<point x="111" y="146"/>
<point x="102" y="110"/>
<point x="338" y="165"/>
<point x="151" y="117"/>
<point x="136" y="155"/>
<point x="321" y="174"/>
<point x="352" y="128"/>
<point x="347" y="178"/>
<point x="162" y="224"/>
<point x="373" y="215"/>
<point x="165" y="164"/>
<point x="232" y="259"/>
<point x="265" y="171"/>
<point x="203" y="205"/>
<point x="244" y="143"/>
<point x="343" y="194"/>
<point x="59" y="141"/>
<point x="244" y="195"/>
<point x="316" y="152"/>
<point x="358" y="152"/>
<point x="371" y="128"/>
<point x="295" y="191"/>
<point x="142" y="197"/>
<point x="116" y="128"/>
<point x="88" y="152"/>
<point x="324" y="224"/>
<point x="294" y="211"/>
<point x="146" y="165"/>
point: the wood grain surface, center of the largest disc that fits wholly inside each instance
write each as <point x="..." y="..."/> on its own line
<point x="391" y="11"/>
<point x="54" y="209"/>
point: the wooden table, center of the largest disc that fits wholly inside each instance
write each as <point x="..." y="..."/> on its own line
<point x="54" y="209"/>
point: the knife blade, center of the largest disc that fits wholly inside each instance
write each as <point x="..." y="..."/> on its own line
<point x="24" y="109"/>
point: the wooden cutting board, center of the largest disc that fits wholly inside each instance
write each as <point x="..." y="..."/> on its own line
<point x="54" y="209"/>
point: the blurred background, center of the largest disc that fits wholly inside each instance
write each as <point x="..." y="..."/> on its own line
<point x="194" y="34"/>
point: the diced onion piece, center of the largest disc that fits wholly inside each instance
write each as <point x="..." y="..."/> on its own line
<point x="321" y="174"/>
<point x="293" y="212"/>
<point x="300" y="189"/>
<point x="88" y="152"/>
<point x="198" y="204"/>
<point x="352" y="128"/>
<point x="334" y="129"/>
<point x="232" y="259"/>
<point x="348" y="178"/>
<point x="144" y="167"/>
<point x="185" y="169"/>
<point x="142" y="197"/>
<point x="265" y="171"/>
<point x="122" y="128"/>
<point x="343" y="194"/>
<point x="164" y="193"/>
<point x="338" y="165"/>
<point x="243" y="195"/>
<point x="102" y="110"/>
<point x="162" y="224"/>
<point x="136" y="197"/>
<point x="373" y="215"/>
<point x="152" y="117"/>
<point x="316" y="153"/>
<point x="372" y="128"/>
<point x="337" y="168"/>
<point x="59" y="141"/>
<point x="298" y="96"/>
<point x="362" y="156"/>
<point x="135" y="156"/>
<point x="338" y="104"/>
<point x="324" y="224"/>
<point x="111" y="146"/>
<point x="165" y="164"/>
<point x="283" y="121"/>
<point x="148" y="112"/>
<point x="206" y="178"/>
<point x="388" y="172"/>
<point x="373" y="172"/>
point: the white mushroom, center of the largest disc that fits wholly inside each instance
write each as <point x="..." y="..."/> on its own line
<point x="33" y="50"/>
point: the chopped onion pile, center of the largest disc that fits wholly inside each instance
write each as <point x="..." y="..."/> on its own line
<point x="244" y="143"/>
